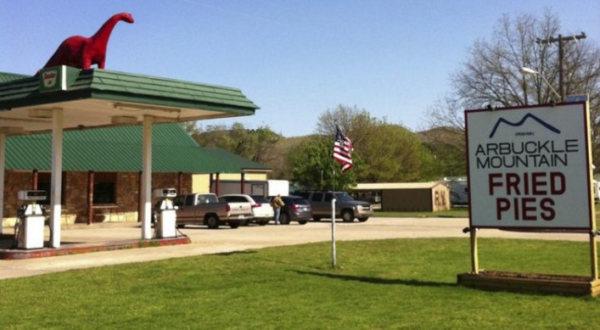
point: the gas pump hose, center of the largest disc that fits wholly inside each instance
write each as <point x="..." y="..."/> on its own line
<point x="18" y="228"/>
<point x="47" y="223"/>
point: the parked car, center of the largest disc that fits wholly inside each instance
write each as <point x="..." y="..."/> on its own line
<point x="296" y="208"/>
<point x="345" y="207"/>
<point x="263" y="206"/>
<point x="262" y="212"/>
<point x="206" y="209"/>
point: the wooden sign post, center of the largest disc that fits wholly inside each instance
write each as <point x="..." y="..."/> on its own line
<point x="530" y="170"/>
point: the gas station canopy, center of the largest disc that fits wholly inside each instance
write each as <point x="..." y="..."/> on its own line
<point x="97" y="98"/>
<point x="64" y="98"/>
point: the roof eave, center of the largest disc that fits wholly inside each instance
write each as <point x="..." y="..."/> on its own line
<point x="169" y="102"/>
<point x="105" y="85"/>
<point x="256" y="170"/>
<point x="45" y="99"/>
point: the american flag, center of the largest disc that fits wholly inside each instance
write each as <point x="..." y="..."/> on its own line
<point x="342" y="149"/>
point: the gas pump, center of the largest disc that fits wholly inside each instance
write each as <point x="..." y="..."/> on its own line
<point x="166" y="218"/>
<point x="29" y="230"/>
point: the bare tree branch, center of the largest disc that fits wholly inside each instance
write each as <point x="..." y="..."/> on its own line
<point x="491" y="74"/>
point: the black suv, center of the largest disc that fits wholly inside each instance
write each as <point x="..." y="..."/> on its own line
<point x="345" y="206"/>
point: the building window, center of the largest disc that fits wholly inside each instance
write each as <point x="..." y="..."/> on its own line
<point x="45" y="184"/>
<point x="105" y="188"/>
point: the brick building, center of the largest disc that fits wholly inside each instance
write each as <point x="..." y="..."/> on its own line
<point x="110" y="160"/>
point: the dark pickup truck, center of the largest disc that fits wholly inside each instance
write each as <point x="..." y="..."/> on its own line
<point x="345" y="206"/>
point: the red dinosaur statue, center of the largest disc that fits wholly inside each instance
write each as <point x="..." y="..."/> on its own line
<point x="81" y="52"/>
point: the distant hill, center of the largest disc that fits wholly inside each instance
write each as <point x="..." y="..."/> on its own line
<point x="449" y="136"/>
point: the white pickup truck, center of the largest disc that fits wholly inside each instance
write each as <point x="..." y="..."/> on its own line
<point x="206" y="209"/>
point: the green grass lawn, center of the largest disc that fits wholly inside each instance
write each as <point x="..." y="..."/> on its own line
<point x="457" y="212"/>
<point x="388" y="284"/>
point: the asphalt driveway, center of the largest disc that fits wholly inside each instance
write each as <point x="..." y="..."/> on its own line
<point x="206" y="241"/>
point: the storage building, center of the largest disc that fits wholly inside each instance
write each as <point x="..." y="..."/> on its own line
<point x="405" y="197"/>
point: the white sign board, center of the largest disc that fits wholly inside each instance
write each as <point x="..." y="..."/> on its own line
<point x="529" y="168"/>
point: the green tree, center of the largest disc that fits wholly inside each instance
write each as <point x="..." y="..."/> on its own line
<point x="313" y="166"/>
<point x="394" y="154"/>
<point x="390" y="153"/>
<point x="256" y="144"/>
<point x="353" y="121"/>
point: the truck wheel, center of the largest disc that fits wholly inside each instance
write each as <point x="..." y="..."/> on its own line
<point x="212" y="221"/>
<point x="302" y="222"/>
<point x="363" y="219"/>
<point x="284" y="218"/>
<point x="347" y="216"/>
<point x="234" y="224"/>
<point x="263" y="222"/>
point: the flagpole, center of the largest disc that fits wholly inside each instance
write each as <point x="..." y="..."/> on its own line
<point x="333" y="256"/>
<point x="342" y="153"/>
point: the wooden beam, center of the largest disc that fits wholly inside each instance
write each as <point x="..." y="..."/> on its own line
<point x="90" y="198"/>
<point x="180" y="183"/>
<point x="34" y="179"/>
<point x="243" y="183"/>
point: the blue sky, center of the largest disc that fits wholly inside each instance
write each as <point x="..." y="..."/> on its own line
<point x="293" y="58"/>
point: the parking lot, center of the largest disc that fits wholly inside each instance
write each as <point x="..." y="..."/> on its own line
<point x="206" y="241"/>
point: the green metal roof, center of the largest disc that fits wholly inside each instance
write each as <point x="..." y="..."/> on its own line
<point x="119" y="149"/>
<point x="7" y="77"/>
<point x="20" y="91"/>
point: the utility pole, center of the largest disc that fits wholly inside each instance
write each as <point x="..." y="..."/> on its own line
<point x="561" y="40"/>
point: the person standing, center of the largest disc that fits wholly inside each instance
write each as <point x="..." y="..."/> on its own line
<point x="277" y="203"/>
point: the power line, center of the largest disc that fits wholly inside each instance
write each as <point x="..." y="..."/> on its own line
<point x="560" y="40"/>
